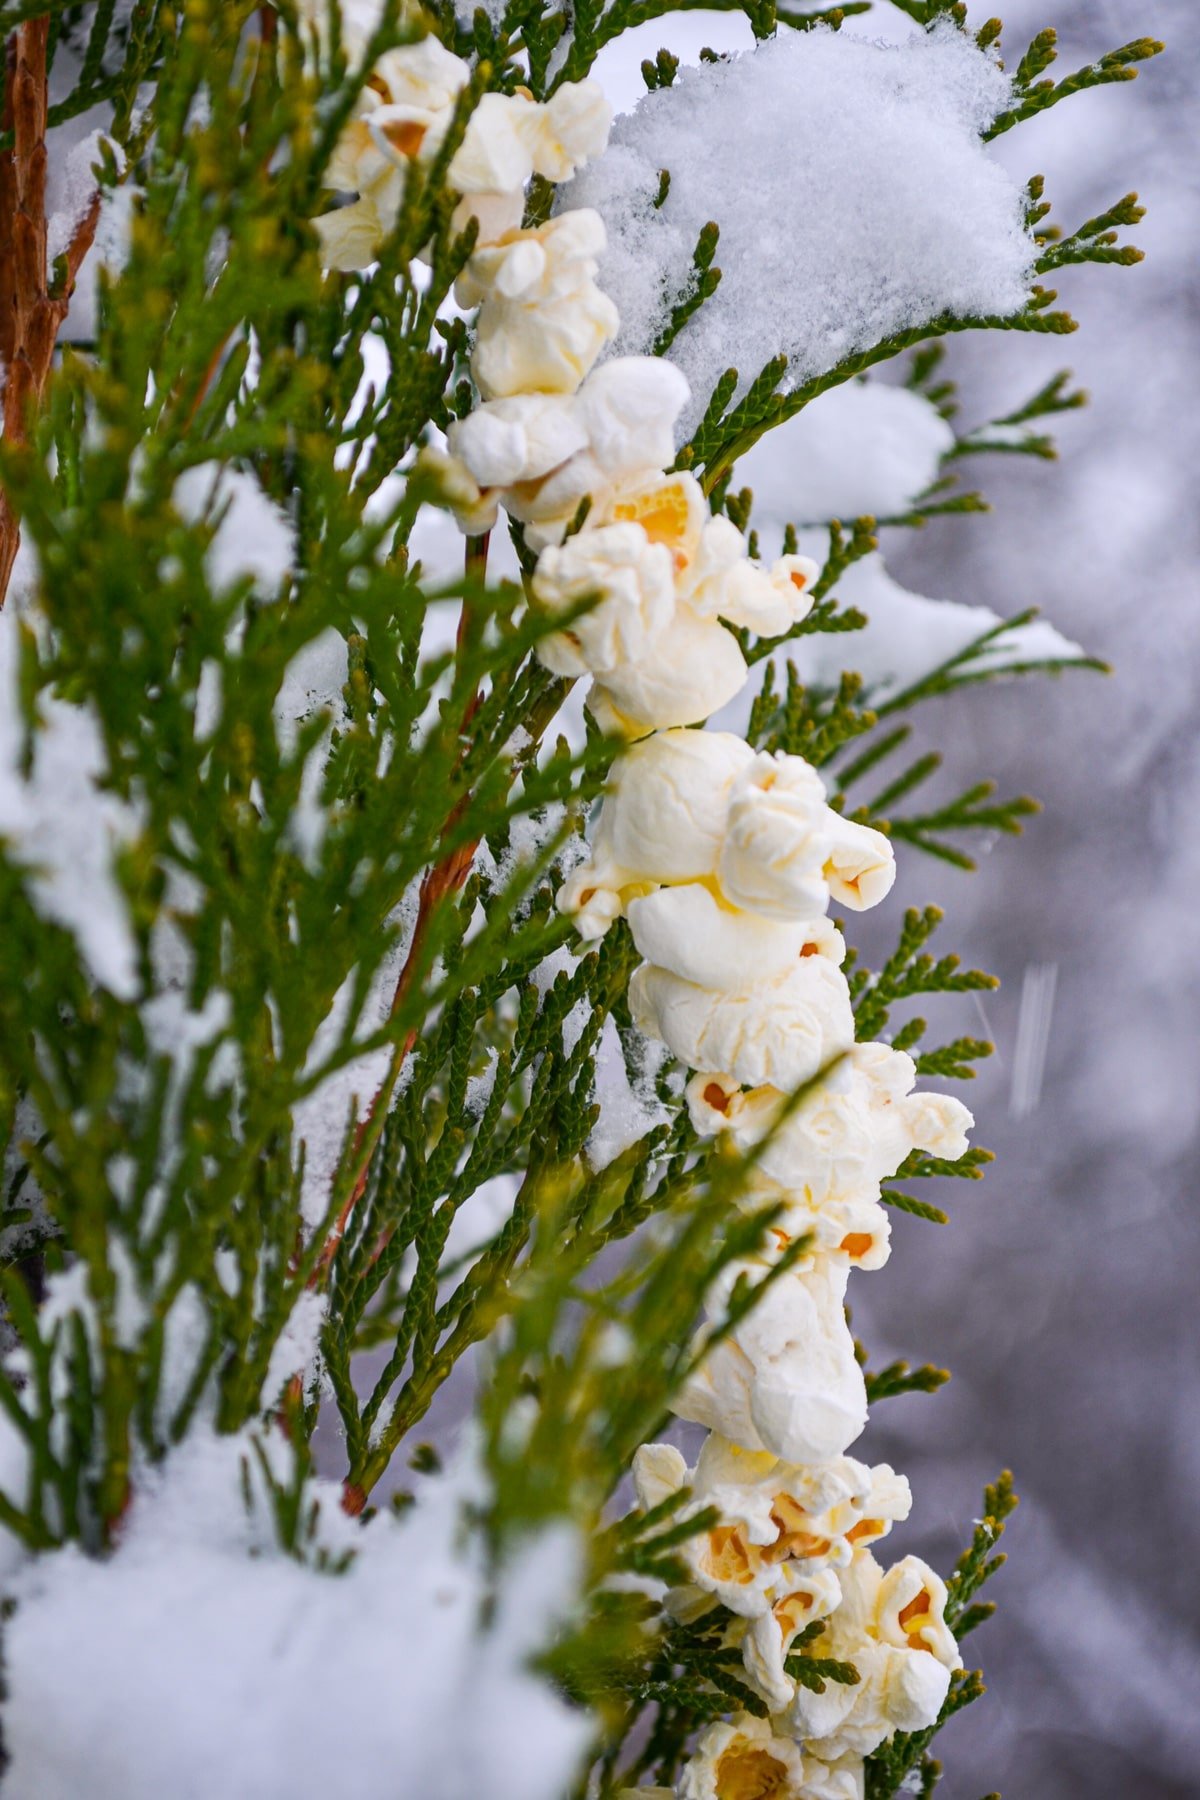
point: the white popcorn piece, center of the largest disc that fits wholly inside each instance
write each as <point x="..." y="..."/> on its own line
<point x="629" y="407"/>
<point x="784" y="1532"/>
<point x="785" y="1379"/>
<point x="859" y="1230"/>
<point x="403" y="115"/>
<point x="543" y="454"/>
<point x="861" y="866"/>
<point x="778" y="839"/>
<point x="493" y="157"/>
<point x="570" y="129"/>
<point x="769" y="838"/>
<point x="897" y="1690"/>
<point x="716" y="1102"/>
<point x="424" y="74"/>
<point x="939" y="1124"/>
<point x="593" y="896"/>
<point x="799" y="573"/>
<point x="836" y="1496"/>
<point x="495" y="215"/>
<point x="521" y="439"/>
<point x="635" y="598"/>
<point x="474" y="508"/>
<point x="814" y="1512"/>
<point x="886" y="1502"/>
<point x="661" y="821"/>
<point x="693" y="669"/>
<point x="663" y="818"/>
<point x="768" y="1638"/>
<point x="720" y="548"/>
<point x="839" y="1144"/>
<point x="910" y="1610"/>
<point x="747" y="596"/>
<point x="698" y="666"/>
<point x="725" y="583"/>
<point x="510" y="137"/>
<point x="627" y="410"/>
<point x="659" y="1470"/>
<point x="542" y="319"/>
<point x="690" y="933"/>
<point x="671" y="509"/>
<point x="902" y="1683"/>
<point x="843" y="1779"/>
<point x="854" y="1232"/>
<point x="349" y="237"/>
<point x="701" y="667"/>
<point x="740" y="1760"/>
<point x="778" y="1033"/>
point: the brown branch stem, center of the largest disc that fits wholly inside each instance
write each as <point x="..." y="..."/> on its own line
<point x="31" y="312"/>
<point x="441" y="880"/>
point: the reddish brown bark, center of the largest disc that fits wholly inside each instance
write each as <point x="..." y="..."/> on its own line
<point x="31" y="312"/>
<point x="443" y="879"/>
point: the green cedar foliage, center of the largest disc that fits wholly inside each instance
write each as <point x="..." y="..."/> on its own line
<point x="168" y="1173"/>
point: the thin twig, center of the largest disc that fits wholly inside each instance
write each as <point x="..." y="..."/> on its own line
<point x="441" y="880"/>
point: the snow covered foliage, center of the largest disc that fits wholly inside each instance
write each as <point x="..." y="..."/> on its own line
<point x="403" y="977"/>
<point x="873" y="206"/>
<point x="867" y="450"/>
<point x="908" y="638"/>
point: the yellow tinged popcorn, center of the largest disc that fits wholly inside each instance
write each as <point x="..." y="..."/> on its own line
<point x="729" y="1558"/>
<point x="747" y="1773"/>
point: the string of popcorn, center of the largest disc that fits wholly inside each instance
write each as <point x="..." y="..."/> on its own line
<point x="724" y="862"/>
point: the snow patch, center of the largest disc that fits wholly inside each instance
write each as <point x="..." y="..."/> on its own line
<point x="201" y="1660"/>
<point x="861" y="449"/>
<point x="908" y="637"/>
<point x="253" y="539"/>
<point x="854" y="198"/>
<point x="629" y="1104"/>
<point x="59" y="823"/>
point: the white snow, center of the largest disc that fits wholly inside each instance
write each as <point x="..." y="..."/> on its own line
<point x="865" y="448"/>
<point x="628" y="1109"/>
<point x="312" y="682"/>
<point x="253" y="538"/>
<point x="76" y="186"/>
<point x="910" y="636"/>
<point x="296" y="1346"/>
<point x="173" y="1029"/>
<point x="480" y="1217"/>
<point x="862" y="448"/>
<point x="852" y="191"/>
<point x="75" y="151"/>
<point x="60" y="824"/>
<point x="321" y="1119"/>
<point x="200" y="1660"/>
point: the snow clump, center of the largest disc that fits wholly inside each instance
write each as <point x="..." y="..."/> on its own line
<point x="853" y="194"/>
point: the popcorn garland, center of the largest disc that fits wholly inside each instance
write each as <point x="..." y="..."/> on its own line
<point x="724" y="862"/>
